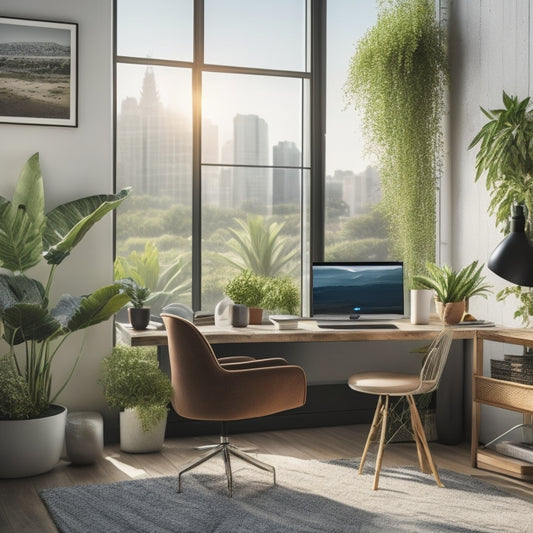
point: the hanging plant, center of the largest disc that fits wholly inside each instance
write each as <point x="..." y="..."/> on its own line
<point x="397" y="80"/>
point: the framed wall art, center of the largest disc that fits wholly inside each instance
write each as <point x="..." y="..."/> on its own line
<point x="38" y="72"/>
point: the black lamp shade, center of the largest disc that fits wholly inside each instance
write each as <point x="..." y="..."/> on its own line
<point x="513" y="257"/>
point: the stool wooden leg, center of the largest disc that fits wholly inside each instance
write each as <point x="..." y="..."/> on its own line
<point x="376" y="422"/>
<point x="422" y="459"/>
<point x="418" y="429"/>
<point x="379" y="458"/>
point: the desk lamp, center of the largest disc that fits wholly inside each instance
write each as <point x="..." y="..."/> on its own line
<point x="512" y="259"/>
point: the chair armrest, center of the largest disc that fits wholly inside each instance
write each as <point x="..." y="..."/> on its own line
<point x="235" y="359"/>
<point x="253" y="363"/>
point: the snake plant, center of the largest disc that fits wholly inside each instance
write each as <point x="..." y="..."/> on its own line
<point x="452" y="285"/>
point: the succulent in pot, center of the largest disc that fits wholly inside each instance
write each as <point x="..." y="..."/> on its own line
<point x="138" y="314"/>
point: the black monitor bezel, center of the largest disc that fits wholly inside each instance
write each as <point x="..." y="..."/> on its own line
<point x="355" y="263"/>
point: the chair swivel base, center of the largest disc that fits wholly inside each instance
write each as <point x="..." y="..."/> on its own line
<point x="225" y="448"/>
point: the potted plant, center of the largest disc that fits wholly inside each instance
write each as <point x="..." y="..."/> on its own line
<point x="505" y="158"/>
<point x="453" y="288"/>
<point x="247" y="288"/>
<point x="281" y="295"/>
<point x="138" y="314"/>
<point x="31" y="427"/>
<point x="134" y="383"/>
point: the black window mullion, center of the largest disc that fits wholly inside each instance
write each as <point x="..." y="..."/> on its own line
<point x="318" y="127"/>
<point x="197" y="154"/>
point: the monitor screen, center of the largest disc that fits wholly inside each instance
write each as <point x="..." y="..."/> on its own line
<point x="346" y="289"/>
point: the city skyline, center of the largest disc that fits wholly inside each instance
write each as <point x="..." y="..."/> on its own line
<point x="154" y="152"/>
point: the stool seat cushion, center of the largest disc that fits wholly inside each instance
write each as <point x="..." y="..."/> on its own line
<point x="391" y="383"/>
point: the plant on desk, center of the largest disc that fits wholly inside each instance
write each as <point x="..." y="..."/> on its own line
<point x="247" y="288"/>
<point x="453" y="288"/>
<point x="138" y="314"/>
<point x="281" y="295"/>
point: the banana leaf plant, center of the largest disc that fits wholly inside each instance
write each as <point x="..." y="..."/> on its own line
<point x="29" y="236"/>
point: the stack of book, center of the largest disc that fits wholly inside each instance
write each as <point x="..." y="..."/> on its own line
<point x="518" y="450"/>
<point x="204" y="318"/>
<point x="515" y="368"/>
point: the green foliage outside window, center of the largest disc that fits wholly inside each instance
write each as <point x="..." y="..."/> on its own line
<point x="260" y="246"/>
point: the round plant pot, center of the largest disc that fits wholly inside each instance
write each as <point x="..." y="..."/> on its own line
<point x="34" y="446"/>
<point x="132" y="437"/>
<point x="139" y="317"/>
<point x="451" y="313"/>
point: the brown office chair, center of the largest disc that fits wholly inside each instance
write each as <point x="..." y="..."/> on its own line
<point x="204" y="389"/>
<point x="386" y="384"/>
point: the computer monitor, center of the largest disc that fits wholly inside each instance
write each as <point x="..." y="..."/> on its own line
<point x="358" y="290"/>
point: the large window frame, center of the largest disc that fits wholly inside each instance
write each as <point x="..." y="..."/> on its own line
<point x="312" y="237"/>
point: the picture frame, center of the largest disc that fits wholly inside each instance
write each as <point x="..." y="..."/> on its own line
<point x="38" y="72"/>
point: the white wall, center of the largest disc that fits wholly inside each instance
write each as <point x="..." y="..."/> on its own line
<point x="75" y="162"/>
<point x="490" y="44"/>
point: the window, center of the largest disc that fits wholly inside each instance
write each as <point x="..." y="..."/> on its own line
<point x="213" y="132"/>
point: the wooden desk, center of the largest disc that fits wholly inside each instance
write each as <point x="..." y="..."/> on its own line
<point x="308" y="331"/>
<point x="328" y="403"/>
<point x="499" y="393"/>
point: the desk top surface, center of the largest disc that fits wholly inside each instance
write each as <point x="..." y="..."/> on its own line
<point x="307" y="331"/>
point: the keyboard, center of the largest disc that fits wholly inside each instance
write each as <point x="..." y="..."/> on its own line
<point x="357" y="326"/>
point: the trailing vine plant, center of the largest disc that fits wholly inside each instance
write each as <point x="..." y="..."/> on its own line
<point x="396" y="80"/>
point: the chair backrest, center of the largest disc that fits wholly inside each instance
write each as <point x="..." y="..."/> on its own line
<point x="193" y="365"/>
<point x="435" y="359"/>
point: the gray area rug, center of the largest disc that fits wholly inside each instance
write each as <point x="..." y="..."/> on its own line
<point x="310" y="496"/>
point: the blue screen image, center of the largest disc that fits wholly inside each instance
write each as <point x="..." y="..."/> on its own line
<point x="365" y="288"/>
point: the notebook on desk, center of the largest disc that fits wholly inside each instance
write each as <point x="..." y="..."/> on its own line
<point x="357" y="295"/>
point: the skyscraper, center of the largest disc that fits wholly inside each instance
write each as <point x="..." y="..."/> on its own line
<point x="251" y="185"/>
<point x="286" y="181"/>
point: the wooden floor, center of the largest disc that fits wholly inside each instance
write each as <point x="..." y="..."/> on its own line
<point x="21" y="509"/>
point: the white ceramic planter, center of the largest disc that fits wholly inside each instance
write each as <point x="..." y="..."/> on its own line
<point x="132" y="437"/>
<point x="420" y="304"/>
<point x="31" y="447"/>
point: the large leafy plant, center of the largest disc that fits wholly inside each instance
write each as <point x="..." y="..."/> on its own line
<point x="29" y="236"/>
<point x="505" y="158"/>
<point x="397" y="79"/>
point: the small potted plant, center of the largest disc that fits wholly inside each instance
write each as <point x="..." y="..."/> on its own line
<point x="138" y="314"/>
<point x="453" y="288"/>
<point x="281" y="295"/>
<point x="247" y="288"/>
<point x="134" y="383"/>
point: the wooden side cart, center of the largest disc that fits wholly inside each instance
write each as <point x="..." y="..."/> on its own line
<point x="499" y="393"/>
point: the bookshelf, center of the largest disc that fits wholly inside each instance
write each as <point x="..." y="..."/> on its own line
<point x="503" y="394"/>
